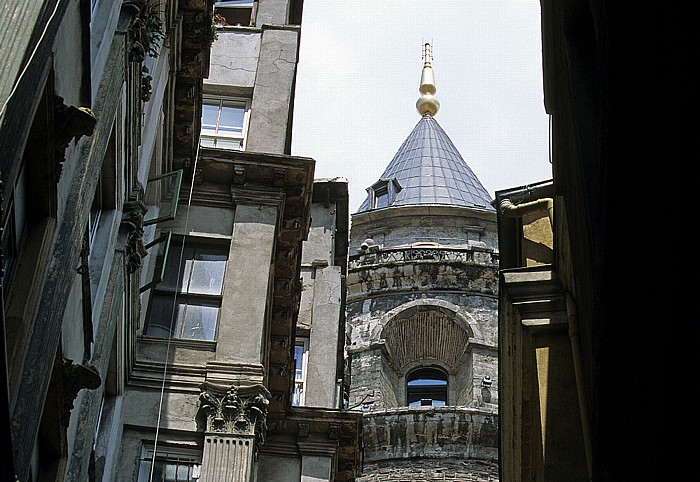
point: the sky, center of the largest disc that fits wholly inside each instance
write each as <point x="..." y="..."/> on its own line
<point x="358" y="76"/>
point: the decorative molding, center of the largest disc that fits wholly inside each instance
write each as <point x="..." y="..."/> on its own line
<point x="134" y="211"/>
<point x="235" y="410"/>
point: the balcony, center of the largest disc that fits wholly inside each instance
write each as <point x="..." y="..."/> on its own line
<point x="467" y="269"/>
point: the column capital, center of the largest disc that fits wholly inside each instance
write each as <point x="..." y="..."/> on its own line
<point x="234" y="410"/>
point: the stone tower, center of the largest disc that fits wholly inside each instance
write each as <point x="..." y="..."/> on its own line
<point x="422" y="312"/>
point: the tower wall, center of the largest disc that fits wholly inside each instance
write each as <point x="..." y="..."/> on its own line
<point x="422" y="293"/>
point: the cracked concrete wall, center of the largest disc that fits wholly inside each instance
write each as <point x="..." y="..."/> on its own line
<point x="273" y="92"/>
<point x="234" y="58"/>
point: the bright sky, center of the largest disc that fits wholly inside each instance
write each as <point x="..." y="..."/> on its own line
<point x="358" y="76"/>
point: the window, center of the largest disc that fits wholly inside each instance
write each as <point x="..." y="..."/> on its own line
<point x="171" y="465"/>
<point x="381" y="197"/>
<point x="186" y="303"/>
<point x="384" y="192"/>
<point x="301" y="355"/>
<point x="233" y="12"/>
<point x="14" y="225"/>
<point x="426" y="386"/>
<point x="224" y="123"/>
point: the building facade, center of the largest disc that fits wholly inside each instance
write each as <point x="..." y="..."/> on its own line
<point x="588" y="323"/>
<point x="97" y="97"/>
<point x="235" y="371"/>
<point x="172" y="276"/>
<point x="422" y="313"/>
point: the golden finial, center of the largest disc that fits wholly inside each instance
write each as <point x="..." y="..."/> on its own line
<point x="427" y="104"/>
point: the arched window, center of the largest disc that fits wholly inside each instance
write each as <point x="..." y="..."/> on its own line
<point x="426" y="386"/>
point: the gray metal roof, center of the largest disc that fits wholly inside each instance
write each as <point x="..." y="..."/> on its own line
<point x="429" y="170"/>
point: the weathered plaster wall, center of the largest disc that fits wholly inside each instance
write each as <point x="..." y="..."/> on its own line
<point x="234" y="57"/>
<point x="276" y="71"/>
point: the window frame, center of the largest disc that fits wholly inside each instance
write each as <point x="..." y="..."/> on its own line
<point x="299" y="389"/>
<point x="213" y="100"/>
<point x="244" y="6"/>
<point x="178" y="298"/>
<point x="190" y="457"/>
<point x="427" y="373"/>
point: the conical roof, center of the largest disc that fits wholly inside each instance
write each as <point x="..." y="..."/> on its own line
<point x="428" y="169"/>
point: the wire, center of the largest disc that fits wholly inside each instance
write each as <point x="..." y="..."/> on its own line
<point x="29" y="60"/>
<point x="172" y="316"/>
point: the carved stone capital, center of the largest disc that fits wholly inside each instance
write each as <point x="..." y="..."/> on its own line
<point x="235" y="410"/>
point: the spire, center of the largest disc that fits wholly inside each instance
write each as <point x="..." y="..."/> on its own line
<point x="427" y="169"/>
<point x="427" y="104"/>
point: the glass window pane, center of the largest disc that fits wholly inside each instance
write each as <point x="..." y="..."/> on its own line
<point x="299" y="360"/>
<point x="172" y="271"/>
<point x="158" y="470"/>
<point x="183" y="473"/>
<point x="208" y="273"/>
<point x="231" y="120"/>
<point x="160" y="316"/>
<point x="200" y="321"/>
<point x="170" y="472"/>
<point x="382" y="199"/>
<point x="207" y="142"/>
<point x="210" y="113"/>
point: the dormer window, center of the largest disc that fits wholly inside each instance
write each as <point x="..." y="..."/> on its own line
<point x="381" y="197"/>
<point x="384" y="192"/>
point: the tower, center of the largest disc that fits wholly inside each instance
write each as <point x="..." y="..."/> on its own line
<point x="422" y="311"/>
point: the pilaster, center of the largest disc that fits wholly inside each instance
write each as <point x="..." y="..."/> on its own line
<point x="235" y="421"/>
<point x="248" y="279"/>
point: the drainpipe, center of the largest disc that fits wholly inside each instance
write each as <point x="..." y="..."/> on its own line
<point x="533" y="207"/>
<point x="572" y="316"/>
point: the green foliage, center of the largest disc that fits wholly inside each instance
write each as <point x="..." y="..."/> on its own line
<point x="154" y="30"/>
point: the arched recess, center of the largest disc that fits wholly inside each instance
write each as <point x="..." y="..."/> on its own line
<point x="428" y="334"/>
<point x="426" y="329"/>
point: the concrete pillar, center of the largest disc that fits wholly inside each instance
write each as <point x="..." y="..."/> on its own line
<point x="247" y="282"/>
<point x="321" y="373"/>
<point x="274" y="88"/>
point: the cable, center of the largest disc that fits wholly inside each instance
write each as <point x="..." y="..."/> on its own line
<point x="172" y="316"/>
<point x="31" y="57"/>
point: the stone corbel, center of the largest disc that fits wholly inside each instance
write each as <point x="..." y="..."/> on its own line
<point x="132" y="219"/>
<point x="138" y="33"/>
<point x="235" y="410"/>
<point x="70" y="123"/>
<point x="76" y="378"/>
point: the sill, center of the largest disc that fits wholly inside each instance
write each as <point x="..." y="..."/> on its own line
<point x="201" y="345"/>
